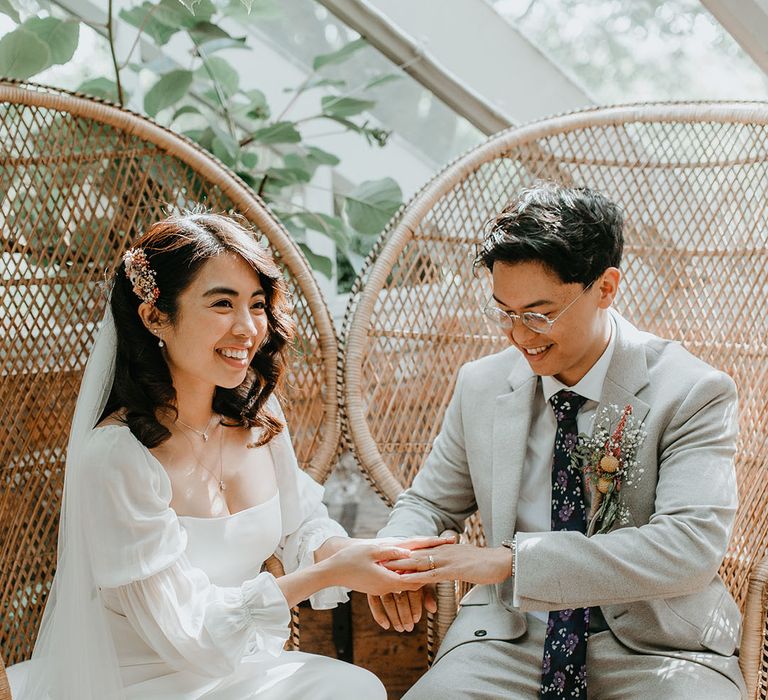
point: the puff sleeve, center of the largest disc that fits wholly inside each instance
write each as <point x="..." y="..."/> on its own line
<point x="306" y="524"/>
<point x="137" y="547"/>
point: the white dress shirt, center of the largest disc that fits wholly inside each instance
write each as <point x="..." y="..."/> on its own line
<point x="534" y="508"/>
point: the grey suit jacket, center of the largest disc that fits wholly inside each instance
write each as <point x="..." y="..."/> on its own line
<point x="654" y="578"/>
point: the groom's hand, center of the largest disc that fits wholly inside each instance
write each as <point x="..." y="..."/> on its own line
<point x="462" y="562"/>
<point x="402" y="610"/>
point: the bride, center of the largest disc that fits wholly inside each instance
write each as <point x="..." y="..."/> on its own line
<point x="181" y="481"/>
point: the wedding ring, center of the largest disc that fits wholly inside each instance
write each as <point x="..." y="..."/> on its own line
<point x="431" y="560"/>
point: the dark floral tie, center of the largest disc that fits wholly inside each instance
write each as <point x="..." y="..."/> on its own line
<point x="564" y="667"/>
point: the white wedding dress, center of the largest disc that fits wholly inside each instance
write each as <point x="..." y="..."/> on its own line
<point x="189" y="611"/>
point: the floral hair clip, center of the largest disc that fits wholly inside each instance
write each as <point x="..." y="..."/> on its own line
<point x="141" y="275"/>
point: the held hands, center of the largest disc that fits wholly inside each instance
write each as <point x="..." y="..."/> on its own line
<point x="426" y="567"/>
<point x="402" y="610"/>
<point x="453" y="561"/>
<point x="362" y="564"/>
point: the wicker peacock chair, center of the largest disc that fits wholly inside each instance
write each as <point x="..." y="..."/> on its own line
<point x="80" y="180"/>
<point x="693" y="182"/>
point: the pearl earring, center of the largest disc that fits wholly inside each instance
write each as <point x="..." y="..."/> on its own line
<point x="160" y="343"/>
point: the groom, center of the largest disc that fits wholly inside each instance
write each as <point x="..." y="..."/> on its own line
<point x="636" y="610"/>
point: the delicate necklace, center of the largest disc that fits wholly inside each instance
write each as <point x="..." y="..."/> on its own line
<point x="202" y="433"/>
<point x="220" y="478"/>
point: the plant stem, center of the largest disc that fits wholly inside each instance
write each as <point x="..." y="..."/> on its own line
<point x="146" y="19"/>
<point x="295" y="96"/>
<point x="111" y="38"/>
<point x="217" y="87"/>
<point x="262" y="184"/>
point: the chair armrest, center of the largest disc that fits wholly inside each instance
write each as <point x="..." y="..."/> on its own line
<point x="438" y="624"/>
<point x="447" y="607"/>
<point x="5" y="688"/>
<point x="275" y="567"/>
<point x="753" y="652"/>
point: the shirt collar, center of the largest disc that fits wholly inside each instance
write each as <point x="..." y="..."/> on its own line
<point x="590" y="386"/>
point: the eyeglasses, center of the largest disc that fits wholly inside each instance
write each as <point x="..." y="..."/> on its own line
<point x="538" y="323"/>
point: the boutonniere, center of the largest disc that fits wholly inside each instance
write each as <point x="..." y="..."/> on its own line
<point x="608" y="459"/>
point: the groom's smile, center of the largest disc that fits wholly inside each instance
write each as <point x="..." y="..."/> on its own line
<point x="575" y="315"/>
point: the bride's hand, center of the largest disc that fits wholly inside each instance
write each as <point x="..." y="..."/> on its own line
<point x="421" y="542"/>
<point x="358" y="566"/>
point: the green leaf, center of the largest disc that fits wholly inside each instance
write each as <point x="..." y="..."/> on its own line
<point x="60" y="37"/>
<point x="249" y="159"/>
<point x="22" y="54"/>
<point x="210" y="94"/>
<point x="167" y="91"/>
<point x="224" y="147"/>
<point x="249" y="179"/>
<point x="344" y="106"/>
<point x="167" y="17"/>
<point x="257" y="107"/>
<point x="208" y="33"/>
<point x="211" y="47"/>
<point x="346" y="123"/>
<point x="186" y="109"/>
<point x="7" y="8"/>
<point x="373" y="135"/>
<point x="203" y="137"/>
<point x="220" y="72"/>
<point x="285" y="177"/>
<point x="339" y="56"/>
<point x="279" y="132"/>
<point x="186" y="13"/>
<point x="371" y="205"/>
<point x="318" y="82"/>
<point x="382" y="80"/>
<point x="190" y="4"/>
<point x="317" y="262"/>
<point x="99" y="87"/>
<point x="293" y="161"/>
<point x="322" y="157"/>
<point x="152" y="26"/>
<point x="331" y="226"/>
<point x="308" y="162"/>
<point x="159" y="66"/>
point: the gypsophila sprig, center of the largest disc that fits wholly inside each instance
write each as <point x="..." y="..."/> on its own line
<point x="608" y="459"/>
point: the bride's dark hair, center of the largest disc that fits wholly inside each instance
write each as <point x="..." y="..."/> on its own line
<point x="176" y="249"/>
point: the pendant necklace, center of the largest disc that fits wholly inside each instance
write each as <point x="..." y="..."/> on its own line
<point x="220" y="479"/>
<point x="202" y="433"/>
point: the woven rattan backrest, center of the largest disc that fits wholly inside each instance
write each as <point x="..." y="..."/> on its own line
<point x="80" y="180"/>
<point x="693" y="182"/>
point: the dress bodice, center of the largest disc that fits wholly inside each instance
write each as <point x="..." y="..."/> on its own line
<point x="231" y="549"/>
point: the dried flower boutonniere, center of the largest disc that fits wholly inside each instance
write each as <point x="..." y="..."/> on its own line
<point x="608" y="458"/>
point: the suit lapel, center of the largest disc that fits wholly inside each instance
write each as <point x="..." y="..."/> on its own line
<point x="511" y="425"/>
<point x="628" y="372"/>
<point x="627" y="375"/>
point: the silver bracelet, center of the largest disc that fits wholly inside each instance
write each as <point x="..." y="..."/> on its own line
<point x="511" y="545"/>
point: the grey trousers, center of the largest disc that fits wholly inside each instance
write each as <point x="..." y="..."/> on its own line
<point x="486" y="670"/>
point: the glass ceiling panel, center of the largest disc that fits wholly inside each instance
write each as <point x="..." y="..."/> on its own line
<point x="639" y="50"/>
<point x="303" y="29"/>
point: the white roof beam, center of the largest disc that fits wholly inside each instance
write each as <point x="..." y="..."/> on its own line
<point x="468" y="56"/>
<point x="747" y="22"/>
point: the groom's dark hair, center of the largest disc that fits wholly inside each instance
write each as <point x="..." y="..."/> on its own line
<point x="574" y="231"/>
